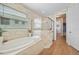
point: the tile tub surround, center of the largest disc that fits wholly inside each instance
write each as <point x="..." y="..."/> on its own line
<point x="1" y="41"/>
<point x="15" y="34"/>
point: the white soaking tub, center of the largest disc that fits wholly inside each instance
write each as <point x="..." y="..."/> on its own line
<point x="17" y="45"/>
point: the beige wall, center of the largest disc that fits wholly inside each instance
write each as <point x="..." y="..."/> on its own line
<point x="46" y="33"/>
<point x="15" y="33"/>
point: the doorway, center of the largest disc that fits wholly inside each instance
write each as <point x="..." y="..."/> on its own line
<point x="61" y="25"/>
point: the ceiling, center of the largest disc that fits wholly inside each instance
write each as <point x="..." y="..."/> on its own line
<point x="46" y="9"/>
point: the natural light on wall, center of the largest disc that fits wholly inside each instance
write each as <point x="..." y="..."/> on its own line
<point x="37" y="26"/>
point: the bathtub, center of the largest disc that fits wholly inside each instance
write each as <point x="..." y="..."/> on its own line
<point x="17" y="45"/>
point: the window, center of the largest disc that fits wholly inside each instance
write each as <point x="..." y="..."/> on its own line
<point x="4" y="21"/>
<point x="37" y="23"/>
<point x="37" y="26"/>
<point x="16" y="21"/>
<point x="23" y="22"/>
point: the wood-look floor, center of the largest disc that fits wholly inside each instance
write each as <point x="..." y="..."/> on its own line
<point x="59" y="47"/>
